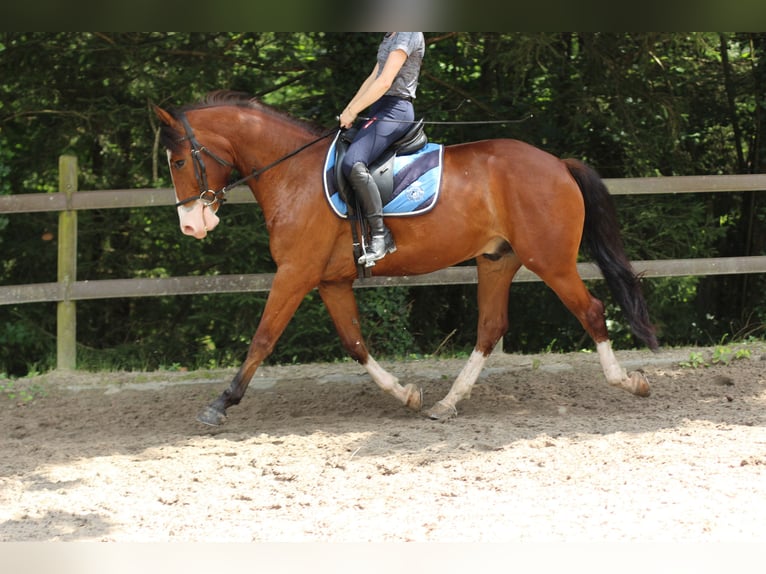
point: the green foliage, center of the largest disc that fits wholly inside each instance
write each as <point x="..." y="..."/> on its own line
<point x="695" y="361"/>
<point x="27" y="340"/>
<point x="721" y="355"/>
<point x="638" y="104"/>
<point x="385" y="315"/>
<point x="13" y="391"/>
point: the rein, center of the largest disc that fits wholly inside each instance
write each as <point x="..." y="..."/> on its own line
<point x="257" y="172"/>
<point x="207" y="196"/>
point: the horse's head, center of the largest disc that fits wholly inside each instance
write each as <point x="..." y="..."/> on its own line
<point x="199" y="171"/>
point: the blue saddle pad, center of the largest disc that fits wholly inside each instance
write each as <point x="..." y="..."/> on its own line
<point x="417" y="181"/>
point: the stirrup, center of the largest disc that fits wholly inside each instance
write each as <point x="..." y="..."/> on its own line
<point x="369" y="258"/>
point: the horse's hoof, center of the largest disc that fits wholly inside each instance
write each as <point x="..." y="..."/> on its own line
<point x="414" y="400"/>
<point x="639" y="385"/>
<point x="441" y="412"/>
<point x="211" y="416"/>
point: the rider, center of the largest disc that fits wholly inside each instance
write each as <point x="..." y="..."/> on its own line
<point x="390" y="90"/>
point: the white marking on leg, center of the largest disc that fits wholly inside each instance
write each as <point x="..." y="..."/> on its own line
<point x="613" y="372"/>
<point x="385" y="380"/>
<point x="461" y="388"/>
<point x="635" y="383"/>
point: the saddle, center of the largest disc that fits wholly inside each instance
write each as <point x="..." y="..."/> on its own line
<point x="382" y="170"/>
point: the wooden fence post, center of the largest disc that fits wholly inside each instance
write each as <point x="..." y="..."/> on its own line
<point x="66" y="315"/>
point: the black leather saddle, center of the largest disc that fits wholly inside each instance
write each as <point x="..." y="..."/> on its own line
<point x="382" y="170"/>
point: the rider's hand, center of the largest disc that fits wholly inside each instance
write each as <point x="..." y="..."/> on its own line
<point x="346" y="119"/>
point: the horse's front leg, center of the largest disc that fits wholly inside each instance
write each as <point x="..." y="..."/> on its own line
<point x="341" y="304"/>
<point x="286" y="294"/>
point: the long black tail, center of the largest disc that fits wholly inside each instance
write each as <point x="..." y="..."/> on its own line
<point x="602" y="240"/>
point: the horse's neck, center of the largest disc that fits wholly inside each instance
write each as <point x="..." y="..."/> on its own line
<point x="264" y="140"/>
<point x="264" y="144"/>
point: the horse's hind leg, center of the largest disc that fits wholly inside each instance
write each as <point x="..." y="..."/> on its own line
<point x="494" y="283"/>
<point x="341" y="304"/>
<point x="590" y="312"/>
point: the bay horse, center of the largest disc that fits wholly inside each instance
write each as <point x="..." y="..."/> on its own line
<point x="503" y="202"/>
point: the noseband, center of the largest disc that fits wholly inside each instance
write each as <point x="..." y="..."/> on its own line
<point x="207" y="196"/>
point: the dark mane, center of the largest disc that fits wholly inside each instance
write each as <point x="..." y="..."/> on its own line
<point x="170" y="138"/>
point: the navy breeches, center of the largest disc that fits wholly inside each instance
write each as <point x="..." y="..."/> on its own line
<point x="376" y="134"/>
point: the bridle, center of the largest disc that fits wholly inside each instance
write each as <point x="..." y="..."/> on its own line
<point x="207" y="196"/>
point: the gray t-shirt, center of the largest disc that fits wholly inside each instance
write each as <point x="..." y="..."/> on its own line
<point x="413" y="44"/>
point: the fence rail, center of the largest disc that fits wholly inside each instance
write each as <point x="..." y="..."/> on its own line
<point x="66" y="290"/>
<point x="150" y="197"/>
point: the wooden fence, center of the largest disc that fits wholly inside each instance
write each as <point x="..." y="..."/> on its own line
<point x="67" y="289"/>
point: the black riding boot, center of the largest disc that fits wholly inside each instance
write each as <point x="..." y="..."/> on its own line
<point x="369" y="197"/>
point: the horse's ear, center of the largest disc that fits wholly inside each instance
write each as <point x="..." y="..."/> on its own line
<point x="164" y="116"/>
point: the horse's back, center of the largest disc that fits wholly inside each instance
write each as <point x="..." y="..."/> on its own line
<point x="505" y="148"/>
<point x="509" y="166"/>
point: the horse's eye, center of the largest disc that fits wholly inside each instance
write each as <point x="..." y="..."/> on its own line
<point x="178" y="164"/>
